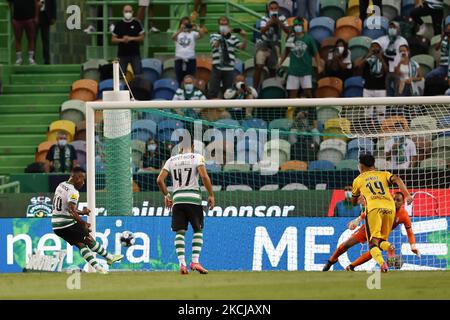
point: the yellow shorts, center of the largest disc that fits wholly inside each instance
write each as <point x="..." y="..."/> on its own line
<point x="379" y="223"/>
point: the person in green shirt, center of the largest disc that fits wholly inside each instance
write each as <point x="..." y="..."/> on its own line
<point x="301" y="48"/>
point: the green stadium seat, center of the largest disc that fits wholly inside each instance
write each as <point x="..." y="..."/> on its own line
<point x="283" y="124"/>
<point x="137" y="151"/>
<point x="327" y="112"/>
<point x="425" y="61"/>
<point x="435" y="53"/>
<point x="391" y="8"/>
<point x="359" y="46"/>
<point x="272" y="88"/>
<point x="169" y="69"/>
<point x="236" y="167"/>
<point x="280" y="146"/>
<point x="423" y="123"/>
<point x="73" y="110"/>
<point x="348" y="164"/>
<point x="334" y="9"/>
<point x="435" y="163"/>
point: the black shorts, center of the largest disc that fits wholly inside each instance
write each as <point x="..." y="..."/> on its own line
<point x="73" y="234"/>
<point x="185" y="213"/>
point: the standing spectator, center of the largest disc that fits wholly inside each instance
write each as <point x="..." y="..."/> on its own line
<point x="374" y="70"/>
<point x="305" y="8"/>
<point x="409" y="73"/>
<point x="186" y="39"/>
<point x="241" y="90"/>
<point x="143" y="4"/>
<point x="401" y="152"/>
<point x="268" y="48"/>
<point x="339" y="61"/>
<point x="345" y="208"/>
<point x="364" y="6"/>
<point x="47" y="18"/>
<point x="128" y="33"/>
<point x="224" y="45"/>
<point x="25" y="17"/>
<point x="440" y="73"/>
<point x="391" y="45"/>
<point x="188" y="92"/>
<point x="433" y="8"/>
<point x="199" y="4"/>
<point x="301" y="48"/>
<point x="62" y="156"/>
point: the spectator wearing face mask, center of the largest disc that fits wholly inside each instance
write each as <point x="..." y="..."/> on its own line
<point x="401" y="151"/>
<point x="224" y="46"/>
<point x="268" y="48"/>
<point x="240" y="90"/>
<point x="152" y="160"/>
<point x="186" y="39"/>
<point x="390" y="45"/>
<point x="62" y="156"/>
<point x="339" y="61"/>
<point x="374" y="68"/>
<point x="345" y="208"/>
<point x="301" y="49"/>
<point x="128" y="33"/>
<point x="409" y="74"/>
<point x="188" y="92"/>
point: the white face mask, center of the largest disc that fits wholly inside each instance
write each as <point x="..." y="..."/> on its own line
<point x="189" y="87"/>
<point x="223" y="29"/>
<point x="128" y="15"/>
<point x="392" y="32"/>
<point x="340" y="50"/>
<point x="151" y="147"/>
<point x="298" y="29"/>
<point x="62" y="142"/>
<point x="273" y="13"/>
<point x="348" y="194"/>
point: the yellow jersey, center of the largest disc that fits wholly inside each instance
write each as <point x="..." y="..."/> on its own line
<point x="374" y="187"/>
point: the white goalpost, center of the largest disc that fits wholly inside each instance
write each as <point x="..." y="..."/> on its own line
<point x="425" y="121"/>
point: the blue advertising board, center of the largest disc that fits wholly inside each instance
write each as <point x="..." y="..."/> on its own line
<point x="258" y="244"/>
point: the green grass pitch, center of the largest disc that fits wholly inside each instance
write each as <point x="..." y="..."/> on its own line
<point x="228" y="285"/>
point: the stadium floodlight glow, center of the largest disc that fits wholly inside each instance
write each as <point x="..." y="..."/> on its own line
<point x="424" y="120"/>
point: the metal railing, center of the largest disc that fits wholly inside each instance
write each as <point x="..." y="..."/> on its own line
<point x="5" y="185"/>
<point x="5" y="55"/>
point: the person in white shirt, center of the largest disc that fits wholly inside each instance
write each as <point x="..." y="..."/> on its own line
<point x="186" y="39"/>
<point x="241" y="90"/>
<point x="401" y="151"/>
<point x="409" y="74"/>
<point x="188" y="92"/>
<point x="390" y="45"/>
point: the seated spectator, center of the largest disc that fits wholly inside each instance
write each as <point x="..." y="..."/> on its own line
<point x="301" y="48"/>
<point x="62" y="156"/>
<point x="224" y="46"/>
<point x="409" y="74"/>
<point x="302" y="123"/>
<point x="439" y="74"/>
<point x="374" y="70"/>
<point x="345" y="208"/>
<point x="339" y="61"/>
<point x="188" y="92"/>
<point x="25" y="18"/>
<point x="401" y="151"/>
<point x="433" y="8"/>
<point x="390" y="45"/>
<point x="186" y="38"/>
<point x="240" y="90"/>
<point x="128" y="34"/>
<point x="153" y="157"/>
<point x="268" y="48"/>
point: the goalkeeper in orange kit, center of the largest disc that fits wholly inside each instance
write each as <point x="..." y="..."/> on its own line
<point x="401" y="217"/>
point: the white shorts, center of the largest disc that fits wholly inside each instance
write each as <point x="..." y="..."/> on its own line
<point x="144" y="3"/>
<point x="294" y="83"/>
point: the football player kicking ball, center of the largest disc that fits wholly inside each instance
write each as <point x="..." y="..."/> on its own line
<point x="373" y="186"/>
<point x="68" y="225"/>
<point x="401" y="217"/>
<point x="185" y="168"/>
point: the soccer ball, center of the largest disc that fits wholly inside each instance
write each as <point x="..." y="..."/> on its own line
<point x="127" y="239"/>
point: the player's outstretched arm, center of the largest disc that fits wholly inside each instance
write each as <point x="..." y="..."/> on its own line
<point x="208" y="185"/>
<point x="401" y="185"/>
<point x="75" y="213"/>
<point x="161" y="181"/>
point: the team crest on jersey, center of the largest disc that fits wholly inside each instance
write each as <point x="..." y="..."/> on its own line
<point x="299" y="48"/>
<point x="184" y="41"/>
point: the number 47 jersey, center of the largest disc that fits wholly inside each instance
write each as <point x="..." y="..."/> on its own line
<point x="374" y="187"/>
<point x="183" y="169"/>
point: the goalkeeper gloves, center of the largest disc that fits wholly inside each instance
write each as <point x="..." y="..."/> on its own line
<point x="352" y="225"/>
<point x="415" y="250"/>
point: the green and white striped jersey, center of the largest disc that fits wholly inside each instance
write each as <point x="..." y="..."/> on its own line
<point x="65" y="193"/>
<point x="183" y="169"/>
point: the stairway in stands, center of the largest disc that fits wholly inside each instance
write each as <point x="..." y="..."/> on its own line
<point x="31" y="100"/>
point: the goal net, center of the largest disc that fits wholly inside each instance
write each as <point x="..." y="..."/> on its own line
<point x="293" y="158"/>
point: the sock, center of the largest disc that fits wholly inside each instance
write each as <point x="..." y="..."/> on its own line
<point x="179" y="247"/>
<point x="197" y="242"/>
<point x="376" y="254"/>
<point x="361" y="259"/>
<point x="384" y="245"/>
<point x="98" y="248"/>
<point x="340" y="250"/>
<point x="18" y="55"/>
<point x="89" y="257"/>
<point x="30" y="54"/>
